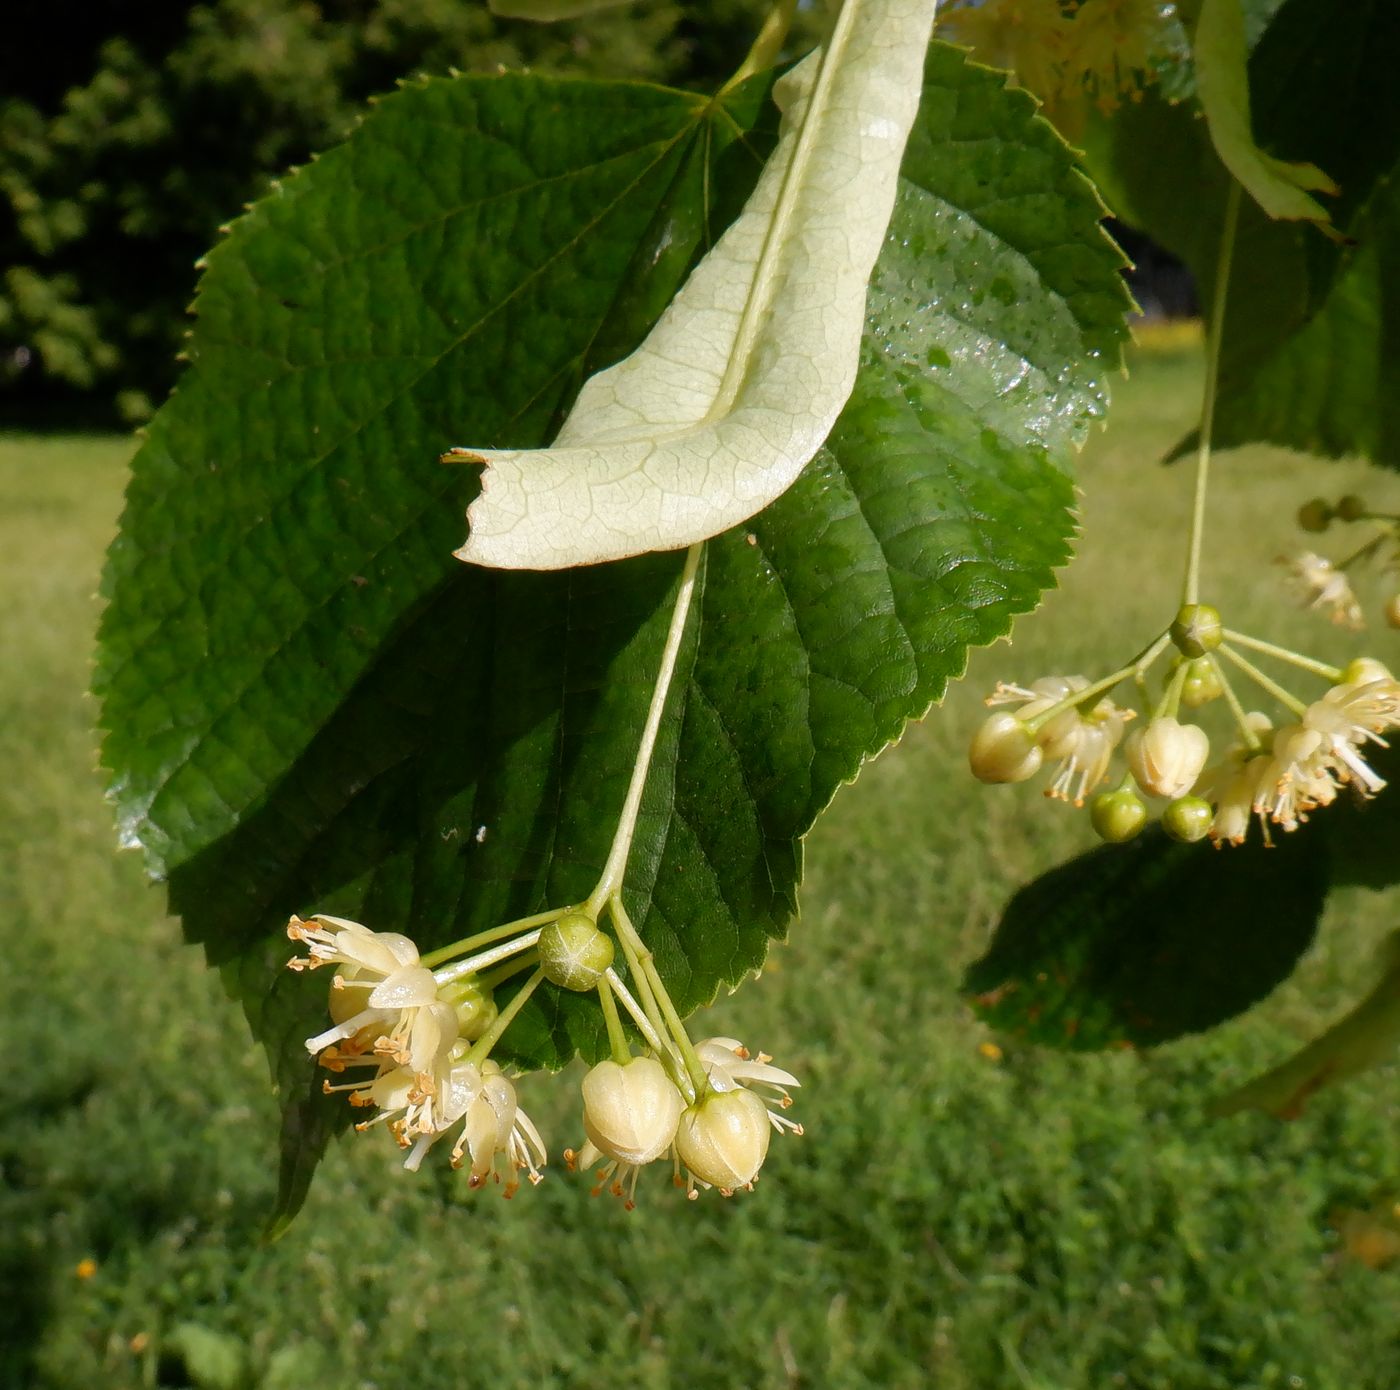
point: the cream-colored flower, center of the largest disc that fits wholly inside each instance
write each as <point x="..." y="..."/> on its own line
<point x="1300" y="777"/>
<point x="1362" y="670"/>
<point x="1081" y="743"/>
<point x="1232" y="783"/>
<point x="409" y="1098"/>
<point x="1320" y="584"/>
<point x="723" y="1139"/>
<point x="1346" y="719"/>
<point x="1166" y="757"/>
<point x="1235" y="801"/>
<point x="496" y="1132"/>
<point x="381" y="996"/>
<point x="1004" y="750"/>
<point x="730" y="1066"/>
<point x="630" y="1114"/>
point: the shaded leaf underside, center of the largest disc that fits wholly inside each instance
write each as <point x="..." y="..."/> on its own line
<point x="1137" y="944"/>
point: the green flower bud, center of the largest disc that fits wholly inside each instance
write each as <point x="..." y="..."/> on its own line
<point x="473" y="1003"/>
<point x="1351" y="507"/>
<point x="1315" y="516"/>
<point x="1202" y="684"/>
<point x="1188" y="819"/>
<point x="573" y="953"/>
<point x="1197" y="629"/>
<point x="1117" y="816"/>
<point x="1004" y="750"/>
<point x="723" y="1138"/>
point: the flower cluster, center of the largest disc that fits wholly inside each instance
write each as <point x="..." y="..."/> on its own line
<point x="1324" y="585"/>
<point x="716" y="1134"/>
<point x="1078" y="737"/>
<point x="402" y="1030"/>
<point x="1070" y="55"/>
<point x="1277" y="774"/>
<point x="418" y="1039"/>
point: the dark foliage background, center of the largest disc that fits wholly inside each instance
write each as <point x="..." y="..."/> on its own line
<point x="130" y="130"/>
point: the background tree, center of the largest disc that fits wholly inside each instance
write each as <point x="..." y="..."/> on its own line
<point x="129" y="133"/>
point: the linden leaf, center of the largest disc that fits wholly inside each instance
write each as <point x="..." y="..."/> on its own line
<point x="741" y="380"/>
<point x="1364" y="1038"/>
<point x="1221" y="53"/>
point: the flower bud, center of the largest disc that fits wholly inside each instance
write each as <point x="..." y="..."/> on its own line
<point x="1392" y="611"/>
<point x="1315" y="516"/>
<point x="1117" y="816"/>
<point x="1363" y="670"/>
<point x="1351" y="507"/>
<point x="1167" y="757"/>
<point x="573" y="953"/>
<point x="1197" y="629"/>
<point x="723" y="1138"/>
<point x="1004" y="750"/>
<point x="475" y="1005"/>
<point x="630" y="1112"/>
<point x="1188" y="819"/>
<point x="1202" y="683"/>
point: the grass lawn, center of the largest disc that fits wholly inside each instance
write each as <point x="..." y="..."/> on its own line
<point x="953" y="1218"/>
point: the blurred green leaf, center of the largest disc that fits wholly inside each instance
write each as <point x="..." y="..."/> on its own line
<point x="310" y="704"/>
<point x="1220" y="52"/>
<point x="1329" y="387"/>
<point x="1321" y="92"/>
<point x="1366" y="1037"/>
<point x="1137" y="944"/>
<point x="212" y="1360"/>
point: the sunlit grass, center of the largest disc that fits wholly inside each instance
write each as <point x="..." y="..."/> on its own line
<point x="953" y="1218"/>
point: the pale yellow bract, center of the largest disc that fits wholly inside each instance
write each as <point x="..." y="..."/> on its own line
<point x="742" y="378"/>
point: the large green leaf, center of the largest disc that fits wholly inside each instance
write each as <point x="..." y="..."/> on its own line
<point x="1322" y="91"/>
<point x="1137" y="944"/>
<point x="310" y="705"/>
<point x="1329" y="387"/>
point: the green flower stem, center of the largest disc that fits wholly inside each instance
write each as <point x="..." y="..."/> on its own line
<point x="484" y="938"/>
<point x="1250" y="739"/>
<point x="633" y="949"/>
<point x="484" y="959"/>
<point x="1191" y="589"/>
<point x="617" y="1039"/>
<point x="677" y="1028"/>
<point x="1304" y="663"/>
<point x="481" y="1049"/>
<point x="645" y="969"/>
<point x="616" y="866"/>
<point x="645" y="1026"/>
<point x="1365" y="551"/>
<point x="512" y="967"/>
<point x="1289" y="701"/>
<point x="1170" y="702"/>
<point x="1084" y="700"/>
